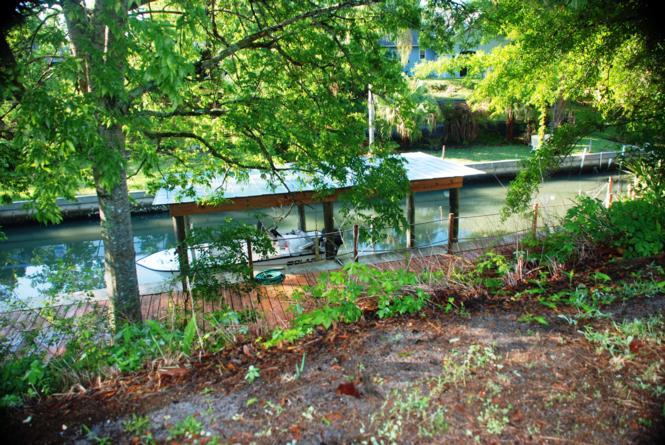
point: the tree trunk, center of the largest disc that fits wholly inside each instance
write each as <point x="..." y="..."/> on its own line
<point x="510" y="124"/>
<point x="99" y="41"/>
<point x="117" y="234"/>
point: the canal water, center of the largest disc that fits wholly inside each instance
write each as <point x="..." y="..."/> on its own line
<point x="69" y="256"/>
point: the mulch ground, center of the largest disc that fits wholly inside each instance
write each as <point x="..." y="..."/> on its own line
<point x="436" y="378"/>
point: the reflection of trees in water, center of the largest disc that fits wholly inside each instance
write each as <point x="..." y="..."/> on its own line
<point x="151" y="243"/>
<point x="13" y="265"/>
<point x="72" y="267"/>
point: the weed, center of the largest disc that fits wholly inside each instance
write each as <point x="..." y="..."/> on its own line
<point x="252" y="374"/>
<point x="300" y="368"/>
<point x="136" y="425"/>
<point x="187" y="428"/>
<point x="530" y="318"/>
<point x="494" y="418"/>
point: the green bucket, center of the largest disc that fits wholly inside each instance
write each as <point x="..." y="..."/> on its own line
<point x="272" y="276"/>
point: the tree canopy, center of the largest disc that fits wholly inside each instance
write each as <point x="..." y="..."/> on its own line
<point x="556" y="52"/>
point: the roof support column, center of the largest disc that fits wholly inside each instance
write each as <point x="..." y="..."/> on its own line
<point x="411" y="221"/>
<point x="180" y="230"/>
<point x="329" y="229"/>
<point x="453" y="200"/>
<point x="302" y="222"/>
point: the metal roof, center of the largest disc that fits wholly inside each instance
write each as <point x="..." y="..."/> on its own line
<point x="419" y="166"/>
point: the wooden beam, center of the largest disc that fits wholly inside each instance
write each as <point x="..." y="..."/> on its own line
<point x="428" y="185"/>
<point x="298" y="198"/>
<point x="453" y="199"/>
<point x="329" y="229"/>
<point x="302" y="222"/>
<point x="411" y="221"/>
<point x="253" y="202"/>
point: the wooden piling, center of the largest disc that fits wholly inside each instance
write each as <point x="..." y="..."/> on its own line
<point x="534" y="224"/>
<point x="411" y="221"/>
<point x="329" y="229"/>
<point x="609" y="192"/>
<point x="302" y="222"/>
<point x="355" y="242"/>
<point x="451" y="231"/>
<point x="250" y="259"/>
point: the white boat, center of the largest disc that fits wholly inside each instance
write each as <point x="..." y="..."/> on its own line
<point x="294" y="247"/>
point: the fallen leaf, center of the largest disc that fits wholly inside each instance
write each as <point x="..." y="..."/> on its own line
<point x="636" y="345"/>
<point x="248" y="350"/>
<point x="348" y="389"/>
<point x="175" y="373"/>
<point x="295" y="430"/>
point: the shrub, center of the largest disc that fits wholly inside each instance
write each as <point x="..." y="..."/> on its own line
<point x="637" y="227"/>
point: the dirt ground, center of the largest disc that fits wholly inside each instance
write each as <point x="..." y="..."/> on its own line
<point x="484" y="377"/>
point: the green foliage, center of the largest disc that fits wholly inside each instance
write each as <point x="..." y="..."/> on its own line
<point x="224" y="259"/>
<point x="634" y="227"/>
<point x="90" y="353"/>
<point x="340" y="292"/>
<point x="489" y="271"/>
<point x="252" y="374"/>
<point x="549" y="55"/>
<point x="188" y="428"/>
<point x="638" y="227"/>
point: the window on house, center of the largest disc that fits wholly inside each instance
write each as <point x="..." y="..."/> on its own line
<point x="422" y="54"/>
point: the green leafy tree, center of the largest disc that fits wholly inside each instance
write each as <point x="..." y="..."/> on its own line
<point x="558" y="52"/>
<point x="185" y="90"/>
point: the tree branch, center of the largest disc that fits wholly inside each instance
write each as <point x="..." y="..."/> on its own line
<point x="249" y="41"/>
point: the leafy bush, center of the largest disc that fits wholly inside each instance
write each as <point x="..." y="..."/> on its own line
<point x="339" y="292"/>
<point x="638" y="227"/>
<point x="635" y="228"/>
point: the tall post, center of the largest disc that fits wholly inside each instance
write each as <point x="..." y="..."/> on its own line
<point x="443" y="151"/>
<point x="250" y="259"/>
<point x="609" y="192"/>
<point x="302" y="222"/>
<point x="180" y="230"/>
<point x="411" y="221"/>
<point x="534" y="223"/>
<point x="453" y="200"/>
<point x="355" y="243"/>
<point x="451" y="232"/>
<point x="329" y="229"/>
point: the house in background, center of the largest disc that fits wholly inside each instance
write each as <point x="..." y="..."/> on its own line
<point x="418" y="54"/>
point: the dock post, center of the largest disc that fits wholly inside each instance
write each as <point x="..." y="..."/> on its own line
<point x="250" y="259"/>
<point x="411" y="221"/>
<point x="534" y="223"/>
<point x="302" y="223"/>
<point x="180" y="230"/>
<point x="453" y="200"/>
<point x="329" y="229"/>
<point x="355" y="243"/>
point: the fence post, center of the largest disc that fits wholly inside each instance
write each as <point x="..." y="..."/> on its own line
<point x="355" y="243"/>
<point x="534" y="224"/>
<point x="451" y="231"/>
<point x="317" y="248"/>
<point x="609" y="192"/>
<point x="629" y="191"/>
<point x="250" y="259"/>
